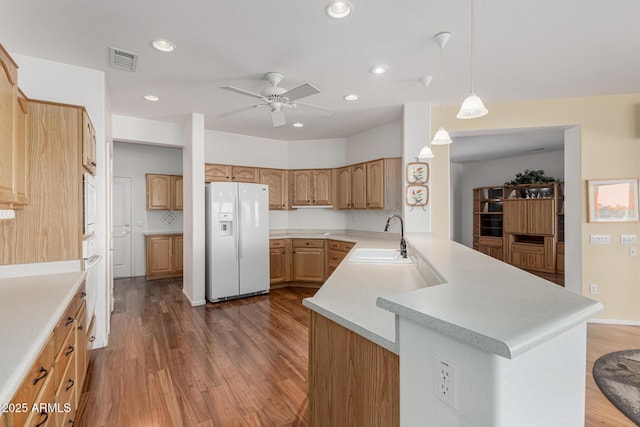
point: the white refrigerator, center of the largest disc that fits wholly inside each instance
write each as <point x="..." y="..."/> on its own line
<point x="237" y="240"/>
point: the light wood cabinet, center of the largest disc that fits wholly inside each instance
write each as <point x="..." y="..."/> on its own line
<point x="308" y="260"/>
<point x="164" y="192"/>
<point x="88" y="144"/>
<point x="311" y="187"/>
<point x="278" y="182"/>
<point x="164" y="256"/>
<point x="58" y="374"/>
<point x="359" y="186"/>
<point x="375" y="184"/>
<point x="21" y="170"/>
<point x="220" y="173"/>
<point x="342" y="188"/>
<point x="280" y="261"/>
<point x="336" y="252"/>
<point x="54" y="185"/>
<point x="217" y="173"/>
<point x="536" y="216"/>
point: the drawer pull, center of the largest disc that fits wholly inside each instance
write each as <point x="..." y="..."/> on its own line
<point x="81" y="327"/>
<point x="71" y="384"/>
<point x="92" y="339"/>
<point x="44" y="414"/>
<point x="69" y="350"/>
<point x="82" y="295"/>
<point x="68" y="321"/>
<point x="71" y="422"/>
<point x="43" y="374"/>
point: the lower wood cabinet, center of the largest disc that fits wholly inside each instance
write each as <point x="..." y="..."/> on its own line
<point x="352" y="381"/>
<point x="164" y="256"/>
<point x="279" y="261"/>
<point x="50" y="392"/>
<point x="308" y="260"/>
<point x="337" y="250"/>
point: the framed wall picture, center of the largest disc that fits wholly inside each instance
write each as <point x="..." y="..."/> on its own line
<point x="417" y="195"/>
<point x="417" y="172"/>
<point x="613" y="200"/>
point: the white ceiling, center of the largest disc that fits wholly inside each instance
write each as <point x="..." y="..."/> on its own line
<point x="524" y="50"/>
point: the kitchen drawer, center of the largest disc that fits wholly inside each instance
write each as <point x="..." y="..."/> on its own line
<point x="80" y="297"/>
<point x="65" y="324"/>
<point x="277" y="243"/>
<point x="335" y="257"/>
<point x="64" y="356"/>
<point x="490" y="241"/>
<point x="528" y="248"/>
<point x="527" y="260"/>
<point x="45" y="399"/>
<point x="308" y="243"/>
<point x="66" y="396"/>
<point x="38" y="376"/>
<point x="337" y="245"/>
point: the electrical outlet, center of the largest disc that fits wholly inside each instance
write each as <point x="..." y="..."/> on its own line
<point x="600" y="239"/>
<point x="445" y="375"/>
<point x="593" y="289"/>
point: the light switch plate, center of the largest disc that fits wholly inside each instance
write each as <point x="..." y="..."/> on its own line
<point x="628" y="239"/>
<point x="600" y="239"/>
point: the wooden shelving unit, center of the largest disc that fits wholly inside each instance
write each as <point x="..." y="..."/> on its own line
<point x="488" y="218"/>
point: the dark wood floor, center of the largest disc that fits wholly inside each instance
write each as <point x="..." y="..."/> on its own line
<point x="238" y="363"/>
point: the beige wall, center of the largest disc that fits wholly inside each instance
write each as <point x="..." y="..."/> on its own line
<point x="610" y="148"/>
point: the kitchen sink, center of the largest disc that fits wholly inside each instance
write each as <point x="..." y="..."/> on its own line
<point x="374" y="255"/>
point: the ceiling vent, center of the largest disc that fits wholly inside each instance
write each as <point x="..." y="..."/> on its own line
<point x="122" y="60"/>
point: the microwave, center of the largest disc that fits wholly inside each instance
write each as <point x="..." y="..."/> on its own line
<point x="89" y="204"/>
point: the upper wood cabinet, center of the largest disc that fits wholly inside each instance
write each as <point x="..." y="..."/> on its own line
<point x="216" y="173"/>
<point x="13" y="136"/>
<point x="311" y="187"/>
<point x="278" y="182"/>
<point x="375" y="184"/>
<point x="88" y="144"/>
<point x="164" y="192"/>
<point x="342" y="188"/>
<point x="359" y="186"/>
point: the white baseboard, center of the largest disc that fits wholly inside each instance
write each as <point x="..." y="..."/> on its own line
<point x="193" y="303"/>
<point x="616" y="322"/>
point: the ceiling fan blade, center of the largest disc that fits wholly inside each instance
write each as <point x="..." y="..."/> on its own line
<point x="326" y="112"/>
<point x="277" y="118"/>
<point x="238" y="111"/>
<point x="242" y="91"/>
<point x="300" y="92"/>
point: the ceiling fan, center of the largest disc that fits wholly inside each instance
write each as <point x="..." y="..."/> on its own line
<point x="278" y="99"/>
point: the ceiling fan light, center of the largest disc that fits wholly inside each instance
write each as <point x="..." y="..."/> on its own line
<point x="472" y="108"/>
<point x="339" y="9"/>
<point x="425" y="153"/>
<point x="441" y="137"/>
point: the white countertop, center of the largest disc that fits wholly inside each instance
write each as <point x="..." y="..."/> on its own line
<point x="30" y="307"/>
<point x="161" y="232"/>
<point x="475" y="299"/>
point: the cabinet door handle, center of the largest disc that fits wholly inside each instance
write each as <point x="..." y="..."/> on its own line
<point x="80" y="327"/>
<point x="93" y="164"/>
<point x="69" y="350"/>
<point x="43" y="374"/>
<point x="83" y="295"/>
<point x="92" y="339"/>
<point x="69" y="321"/>
<point x="44" y="414"/>
<point x="71" y="383"/>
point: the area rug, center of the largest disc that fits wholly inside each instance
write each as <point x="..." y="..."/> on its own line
<point x="618" y="376"/>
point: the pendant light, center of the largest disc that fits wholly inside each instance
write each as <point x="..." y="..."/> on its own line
<point x="472" y="107"/>
<point x="442" y="136"/>
<point x="426" y="152"/>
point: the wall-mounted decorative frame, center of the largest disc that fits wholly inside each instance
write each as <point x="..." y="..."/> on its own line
<point x="417" y="173"/>
<point x="613" y="200"/>
<point x="417" y="195"/>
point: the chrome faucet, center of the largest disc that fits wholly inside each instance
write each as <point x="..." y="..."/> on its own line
<point x="403" y="243"/>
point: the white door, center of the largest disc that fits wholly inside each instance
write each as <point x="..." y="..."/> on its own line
<point x="121" y="226"/>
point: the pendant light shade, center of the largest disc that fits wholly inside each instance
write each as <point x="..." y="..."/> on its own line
<point x="441" y="137"/>
<point x="425" y="153"/>
<point x="472" y="107"/>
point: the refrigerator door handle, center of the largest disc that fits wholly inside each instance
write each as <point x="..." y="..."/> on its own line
<point x="237" y="227"/>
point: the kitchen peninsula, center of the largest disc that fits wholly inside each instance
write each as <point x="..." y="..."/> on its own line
<point x="515" y="343"/>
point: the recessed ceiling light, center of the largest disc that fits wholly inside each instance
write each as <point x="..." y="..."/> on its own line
<point x="298" y="125"/>
<point x="379" y="69"/>
<point x="163" y="45"/>
<point x="351" y="97"/>
<point x="151" y="98"/>
<point x="339" y="9"/>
